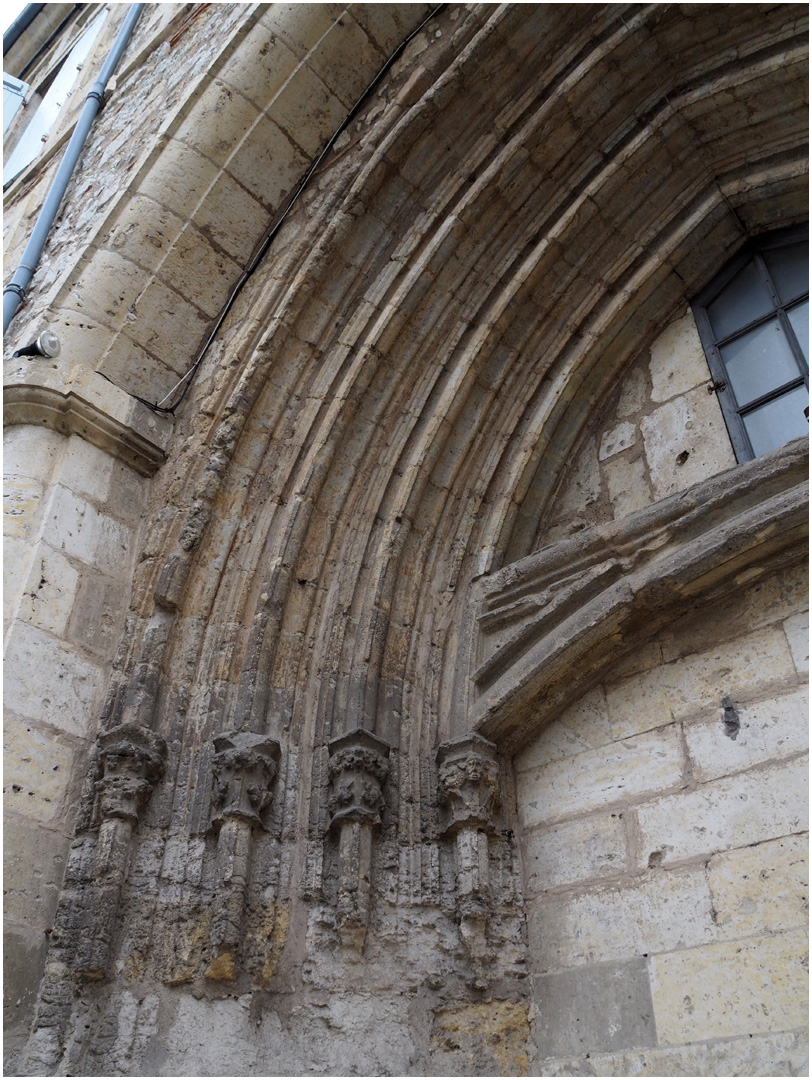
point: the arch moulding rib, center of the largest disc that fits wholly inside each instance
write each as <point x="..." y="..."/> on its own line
<point x="541" y="631"/>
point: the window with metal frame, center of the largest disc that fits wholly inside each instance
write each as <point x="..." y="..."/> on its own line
<point x="753" y="319"/>
<point x="52" y="95"/>
<point x="14" y="91"/>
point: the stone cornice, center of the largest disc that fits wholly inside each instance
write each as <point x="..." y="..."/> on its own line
<point x="541" y="631"/>
<point x="118" y="424"/>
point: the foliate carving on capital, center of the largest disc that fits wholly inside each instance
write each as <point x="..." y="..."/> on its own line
<point x="468" y="783"/>
<point x="358" y="767"/>
<point x="132" y="759"/>
<point x="245" y="766"/>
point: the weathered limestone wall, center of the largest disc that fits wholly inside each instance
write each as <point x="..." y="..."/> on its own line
<point x="194" y="83"/>
<point x="665" y="852"/>
<point x="71" y="514"/>
<point x="659" y="432"/>
<point x="377" y="427"/>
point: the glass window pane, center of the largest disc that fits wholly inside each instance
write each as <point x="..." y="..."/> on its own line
<point x="789" y="269"/>
<point x="14" y="91"/>
<point x="759" y="361"/>
<point x="799" y="318"/>
<point x="31" y="142"/>
<point x="743" y="299"/>
<point x="778" y="422"/>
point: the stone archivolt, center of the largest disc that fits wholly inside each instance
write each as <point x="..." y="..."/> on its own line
<point x="578" y="605"/>
<point x="412" y="366"/>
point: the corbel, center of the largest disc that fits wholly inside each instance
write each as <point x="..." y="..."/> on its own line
<point x="132" y="761"/>
<point x="245" y="766"/>
<point x="358" y="767"/>
<point x="468" y="774"/>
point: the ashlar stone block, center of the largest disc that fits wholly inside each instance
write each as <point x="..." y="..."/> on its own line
<point x="769" y="730"/>
<point x="219" y="119"/>
<point x="758" y="805"/>
<point x="17" y="556"/>
<point x="685" y="441"/>
<point x="696" y="682"/>
<point x="31" y="886"/>
<point x="628" y="486"/>
<point x="78" y="529"/>
<point x="345" y="58"/>
<point x="575" y="851"/>
<point x="107" y="289"/>
<point x="584" y="486"/>
<point x="49" y="593"/>
<point x="388" y="24"/>
<point x="98" y="614"/>
<point x="23" y="961"/>
<point x="797" y="630"/>
<point x="168" y="326"/>
<point x="37" y="771"/>
<point x="199" y="271"/>
<point x="44" y="679"/>
<point x="616" y="440"/>
<point x="307" y="111"/>
<point x="658" y="912"/>
<point x="599" y="1007"/>
<point x="179" y="179"/>
<point x="632" y="768"/>
<point x="731" y="988"/>
<point x="750" y="607"/>
<point x="761" y="889"/>
<point x="266" y="165"/>
<point x="633" y="394"/>
<point x="301" y="27"/>
<point x="583" y="726"/>
<point x="678" y="361"/>
<point x="260" y="67"/>
<point x="782" y="1054"/>
<point x="143" y="231"/>
<point x="86" y="469"/>
<point x="34" y="450"/>
<point x="21" y="502"/>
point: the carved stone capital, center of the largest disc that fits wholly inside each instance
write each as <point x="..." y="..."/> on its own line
<point x="359" y="764"/>
<point x="245" y="765"/>
<point x="132" y="760"/>
<point x="469" y="783"/>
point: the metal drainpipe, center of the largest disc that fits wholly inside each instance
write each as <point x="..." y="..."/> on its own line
<point x="14" y="292"/>
<point x="22" y="22"/>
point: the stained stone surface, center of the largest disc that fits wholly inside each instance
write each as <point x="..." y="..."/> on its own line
<point x="459" y="354"/>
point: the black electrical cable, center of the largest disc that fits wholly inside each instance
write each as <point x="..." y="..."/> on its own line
<point x="267" y="240"/>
